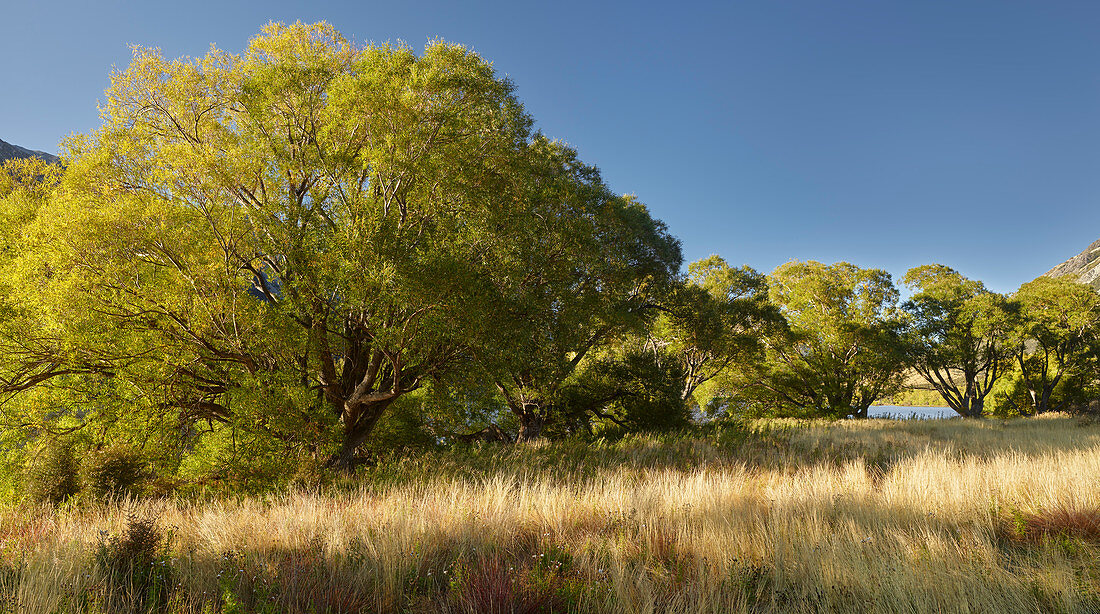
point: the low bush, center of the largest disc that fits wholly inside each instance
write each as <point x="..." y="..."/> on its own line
<point x="113" y="471"/>
<point x="136" y="566"/>
<point x="52" y="474"/>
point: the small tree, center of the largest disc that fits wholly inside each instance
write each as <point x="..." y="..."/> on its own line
<point x="113" y="471"/>
<point x="630" y="386"/>
<point x="1055" y="339"/>
<point x="714" y="322"/>
<point x="52" y="474"/>
<point x="958" y="336"/>
<point x="841" y="349"/>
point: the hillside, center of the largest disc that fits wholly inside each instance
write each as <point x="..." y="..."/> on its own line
<point x="1083" y="266"/>
<point x="8" y="151"/>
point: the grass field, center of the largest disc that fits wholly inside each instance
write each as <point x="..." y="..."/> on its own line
<point x="852" y="516"/>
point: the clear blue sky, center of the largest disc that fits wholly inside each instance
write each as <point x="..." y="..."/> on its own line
<point x="889" y="134"/>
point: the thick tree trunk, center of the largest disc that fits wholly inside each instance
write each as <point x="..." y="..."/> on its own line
<point x="1044" y="403"/>
<point x="969" y="402"/>
<point x="531" y="412"/>
<point x="531" y="422"/>
<point x="359" y="421"/>
<point x="973" y="407"/>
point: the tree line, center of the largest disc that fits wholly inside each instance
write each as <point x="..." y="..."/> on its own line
<point x="313" y="251"/>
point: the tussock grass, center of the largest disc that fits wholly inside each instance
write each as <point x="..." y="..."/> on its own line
<point x="869" y="516"/>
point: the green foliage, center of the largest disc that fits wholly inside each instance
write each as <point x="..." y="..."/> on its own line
<point x="1009" y="396"/>
<point x="1012" y="397"/>
<point x="407" y="427"/>
<point x="958" y="335"/>
<point x="587" y="274"/>
<point x="52" y="474"/>
<point x="225" y="461"/>
<point x="841" y="349"/>
<point x="629" y="389"/>
<point x="465" y="406"/>
<point x="1056" y="343"/>
<point x="652" y="399"/>
<point x="714" y="325"/>
<point x="117" y="470"/>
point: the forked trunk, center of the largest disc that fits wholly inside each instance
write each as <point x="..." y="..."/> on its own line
<point x="530" y="411"/>
<point x="973" y="407"/>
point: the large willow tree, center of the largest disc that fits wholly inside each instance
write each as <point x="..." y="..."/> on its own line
<point x="594" y="263"/>
<point x="286" y="241"/>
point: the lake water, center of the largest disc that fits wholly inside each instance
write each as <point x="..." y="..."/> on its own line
<point x="902" y="412"/>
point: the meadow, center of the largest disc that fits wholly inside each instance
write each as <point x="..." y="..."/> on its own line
<point x="768" y="516"/>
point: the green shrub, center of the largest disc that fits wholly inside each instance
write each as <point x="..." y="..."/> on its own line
<point x="117" y="470"/>
<point x="52" y="474"/>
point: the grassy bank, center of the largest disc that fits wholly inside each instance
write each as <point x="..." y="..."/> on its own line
<point x="873" y="516"/>
<point x="913" y="397"/>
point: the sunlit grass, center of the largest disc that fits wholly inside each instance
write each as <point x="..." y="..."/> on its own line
<point x="868" y="516"/>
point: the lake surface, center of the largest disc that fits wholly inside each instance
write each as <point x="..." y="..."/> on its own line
<point x="902" y="412"/>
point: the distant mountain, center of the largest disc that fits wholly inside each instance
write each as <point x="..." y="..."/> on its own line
<point x="1084" y="267"/>
<point x="7" y="151"/>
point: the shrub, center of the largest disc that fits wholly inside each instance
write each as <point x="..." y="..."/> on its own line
<point x="52" y="474"/>
<point x="117" y="470"/>
<point x="136" y="566"/>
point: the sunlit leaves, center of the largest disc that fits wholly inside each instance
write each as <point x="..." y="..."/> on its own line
<point x="842" y="348"/>
<point x="1055" y="339"/>
<point x="958" y="337"/>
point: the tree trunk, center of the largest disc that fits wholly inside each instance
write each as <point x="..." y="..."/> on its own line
<point x="529" y="410"/>
<point x="973" y="407"/>
<point x="359" y="422"/>
<point x="1044" y="402"/>
<point x="531" y="422"/>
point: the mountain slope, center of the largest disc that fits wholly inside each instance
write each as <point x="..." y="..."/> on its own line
<point x="1084" y="267"/>
<point x="8" y="151"/>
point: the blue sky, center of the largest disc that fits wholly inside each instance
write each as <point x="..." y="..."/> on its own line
<point x="888" y="134"/>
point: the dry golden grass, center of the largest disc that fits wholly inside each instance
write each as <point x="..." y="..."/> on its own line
<point x="947" y="516"/>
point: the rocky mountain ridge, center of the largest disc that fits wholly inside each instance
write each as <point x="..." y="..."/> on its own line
<point x="1084" y="267"/>
<point x="8" y="151"/>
